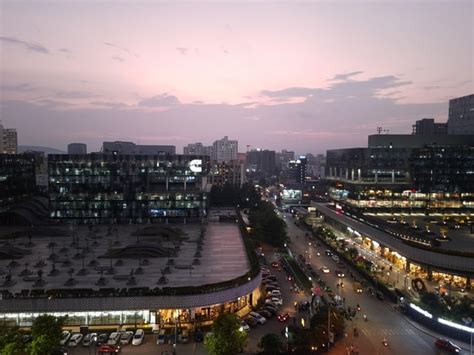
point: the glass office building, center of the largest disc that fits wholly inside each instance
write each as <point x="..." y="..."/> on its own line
<point x="112" y="188"/>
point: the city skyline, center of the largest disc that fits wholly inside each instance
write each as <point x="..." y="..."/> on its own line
<point x="306" y="77"/>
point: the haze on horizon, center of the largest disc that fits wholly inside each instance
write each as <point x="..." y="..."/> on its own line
<point x="306" y="76"/>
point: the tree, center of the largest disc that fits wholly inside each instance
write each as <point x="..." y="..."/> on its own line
<point x="267" y="226"/>
<point x="271" y="344"/>
<point x="226" y="338"/>
<point x="10" y="340"/>
<point x="47" y="333"/>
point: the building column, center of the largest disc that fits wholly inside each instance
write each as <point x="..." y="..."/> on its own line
<point x="166" y="183"/>
<point x="430" y="274"/>
<point x="393" y="176"/>
<point x="347" y="174"/>
<point x="376" y="176"/>
<point x="352" y="174"/>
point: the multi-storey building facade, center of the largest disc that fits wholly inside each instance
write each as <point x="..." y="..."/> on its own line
<point x="197" y="149"/>
<point x="232" y="172"/>
<point x="8" y="140"/>
<point x="261" y="162"/>
<point x="130" y="148"/>
<point x="77" y="148"/>
<point x="461" y="115"/>
<point x="109" y="188"/>
<point x="225" y="150"/>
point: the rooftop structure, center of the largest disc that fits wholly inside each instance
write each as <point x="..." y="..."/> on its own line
<point x="130" y="148"/>
<point x="8" y="140"/>
<point x="461" y="115"/>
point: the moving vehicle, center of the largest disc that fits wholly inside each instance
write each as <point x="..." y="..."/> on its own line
<point x="65" y="337"/>
<point x="447" y="345"/>
<point x="339" y="273"/>
<point x="75" y="339"/>
<point x="328" y="252"/>
<point x="161" y="337"/>
<point x="283" y="317"/>
<point x="325" y="270"/>
<point x="108" y="349"/>
<point x="138" y="337"/>
<point x="357" y="287"/>
<point x="184" y="338"/>
<point x="126" y="337"/>
<point x="199" y="335"/>
<point x="260" y="319"/>
<point x="89" y="339"/>
<point x="114" y="338"/>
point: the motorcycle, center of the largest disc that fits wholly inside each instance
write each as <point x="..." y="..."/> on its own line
<point x="365" y="317"/>
<point x="385" y="342"/>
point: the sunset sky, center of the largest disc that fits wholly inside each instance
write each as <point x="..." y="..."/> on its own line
<point x="306" y="76"/>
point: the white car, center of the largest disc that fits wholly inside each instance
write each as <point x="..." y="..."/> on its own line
<point x="114" y="338"/>
<point x="274" y="293"/>
<point x="89" y="339"/>
<point x="274" y="301"/>
<point x="126" y="337"/>
<point x="261" y="319"/>
<point x="244" y="326"/>
<point x="138" y="337"/>
<point x="325" y="270"/>
<point x="75" y="339"/>
<point x="65" y="337"/>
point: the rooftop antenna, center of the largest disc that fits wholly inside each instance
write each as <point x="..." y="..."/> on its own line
<point x="379" y="130"/>
<point x="386" y="131"/>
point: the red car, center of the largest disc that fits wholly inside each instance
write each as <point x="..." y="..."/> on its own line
<point x="447" y="345"/>
<point x="109" y="349"/>
<point x="283" y="317"/>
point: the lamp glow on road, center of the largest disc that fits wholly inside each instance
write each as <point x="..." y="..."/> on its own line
<point x="455" y="325"/>
<point x="421" y="311"/>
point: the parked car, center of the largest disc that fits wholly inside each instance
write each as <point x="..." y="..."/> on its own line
<point x="251" y="321"/>
<point x="126" y="337"/>
<point x="274" y="300"/>
<point x="271" y="277"/>
<point x="102" y="339"/>
<point x="270" y="288"/>
<point x="75" y="339"/>
<point x="138" y="337"/>
<point x="265" y="313"/>
<point x="114" y="338"/>
<point x="258" y="317"/>
<point x="65" y="337"/>
<point x="268" y="307"/>
<point x="447" y="345"/>
<point x="108" y="349"/>
<point x="274" y="293"/>
<point x="335" y="258"/>
<point x="89" y="339"/>
<point x="244" y="326"/>
<point x="325" y="270"/>
<point x="198" y="335"/>
<point x="283" y="317"/>
<point x="162" y="338"/>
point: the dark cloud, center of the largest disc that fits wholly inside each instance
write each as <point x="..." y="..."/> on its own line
<point x="182" y="50"/>
<point x="345" y="76"/>
<point x="24" y="87"/>
<point x="108" y="104"/>
<point x="162" y="100"/>
<point x="75" y="94"/>
<point x="118" y="59"/>
<point x="29" y="46"/>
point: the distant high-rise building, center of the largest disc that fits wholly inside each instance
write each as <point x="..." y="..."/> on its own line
<point x="262" y="162"/>
<point x="225" y="149"/>
<point x="461" y="115"/>
<point x="197" y="149"/>
<point x="130" y="148"/>
<point x="77" y="148"/>
<point x="231" y="172"/>
<point x="8" y="140"/>
<point x="283" y="158"/>
<point x="297" y="170"/>
<point x="315" y="165"/>
<point x="427" y="126"/>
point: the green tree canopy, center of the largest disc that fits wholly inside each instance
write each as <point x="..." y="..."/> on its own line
<point x="271" y="344"/>
<point x="267" y="226"/>
<point x="47" y="333"/>
<point x="10" y="340"/>
<point x="226" y="338"/>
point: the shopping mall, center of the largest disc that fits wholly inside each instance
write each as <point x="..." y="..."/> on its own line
<point x="127" y="274"/>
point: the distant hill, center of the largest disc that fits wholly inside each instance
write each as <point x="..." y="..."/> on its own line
<point x="46" y="150"/>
